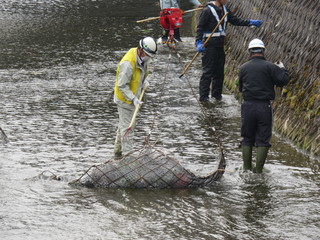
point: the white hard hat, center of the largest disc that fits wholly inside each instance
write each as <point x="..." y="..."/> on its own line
<point x="149" y="46"/>
<point x="256" y="45"/>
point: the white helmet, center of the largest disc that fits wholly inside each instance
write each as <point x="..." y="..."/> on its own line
<point x="149" y="46"/>
<point x="256" y="45"/>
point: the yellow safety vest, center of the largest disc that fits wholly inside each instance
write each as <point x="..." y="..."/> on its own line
<point x="130" y="56"/>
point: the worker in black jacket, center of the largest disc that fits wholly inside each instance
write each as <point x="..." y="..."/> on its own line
<point x="213" y="57"/>
<point x="257" y="79"/>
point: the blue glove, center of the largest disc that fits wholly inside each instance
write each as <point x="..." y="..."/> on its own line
<point x="199" y="46"/>
<point x="256" y="23"/>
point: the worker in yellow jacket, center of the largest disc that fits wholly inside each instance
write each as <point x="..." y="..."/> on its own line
<point x="130" y="79"/>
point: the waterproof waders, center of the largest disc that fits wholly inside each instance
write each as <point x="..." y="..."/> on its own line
<point x="261" y="158"/>
<point x="247" y="157"/>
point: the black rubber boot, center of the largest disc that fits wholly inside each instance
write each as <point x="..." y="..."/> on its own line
<point x="262" y="153"/>
<point x="164" y="37"/>
<point x="176" y="35"/>
<point x="247" y="157"/>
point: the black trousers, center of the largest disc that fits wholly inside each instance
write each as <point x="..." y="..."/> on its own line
<point x="213" y="60"/>
<point x="256" y="123"/>
<point x="176" y="33"/>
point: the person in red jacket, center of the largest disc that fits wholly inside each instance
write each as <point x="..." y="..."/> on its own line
<point x="171" y="19"/>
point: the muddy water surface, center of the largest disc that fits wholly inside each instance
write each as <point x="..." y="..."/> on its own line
<point x="57" y="69"/>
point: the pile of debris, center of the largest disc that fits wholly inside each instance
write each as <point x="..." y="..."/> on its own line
<point x="146" y="168"/>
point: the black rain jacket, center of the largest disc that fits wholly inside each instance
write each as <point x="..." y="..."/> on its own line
<point x="257" y="79"/>
<point x="207" y="22"/>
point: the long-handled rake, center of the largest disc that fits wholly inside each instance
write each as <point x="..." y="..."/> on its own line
<point x="155" y="18"/>
<point x="133" y="120"/>
<point x="203" y="45"/>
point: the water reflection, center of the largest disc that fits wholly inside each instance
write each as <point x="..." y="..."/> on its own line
<point x="258" y="200"/>
<point x="38" y="34"/>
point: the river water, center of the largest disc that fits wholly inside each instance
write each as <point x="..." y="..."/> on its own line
<point x="57" y="68"/>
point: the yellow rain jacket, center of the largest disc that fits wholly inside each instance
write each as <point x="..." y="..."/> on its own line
<point x="129" y="78"/>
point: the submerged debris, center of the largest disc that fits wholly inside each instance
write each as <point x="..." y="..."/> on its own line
<point x="3" y="136"/>
<point x="47" y="175"/>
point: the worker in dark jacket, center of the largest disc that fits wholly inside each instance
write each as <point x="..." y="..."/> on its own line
<point x="257" y="79"/>
<point x="213" y="58"/>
